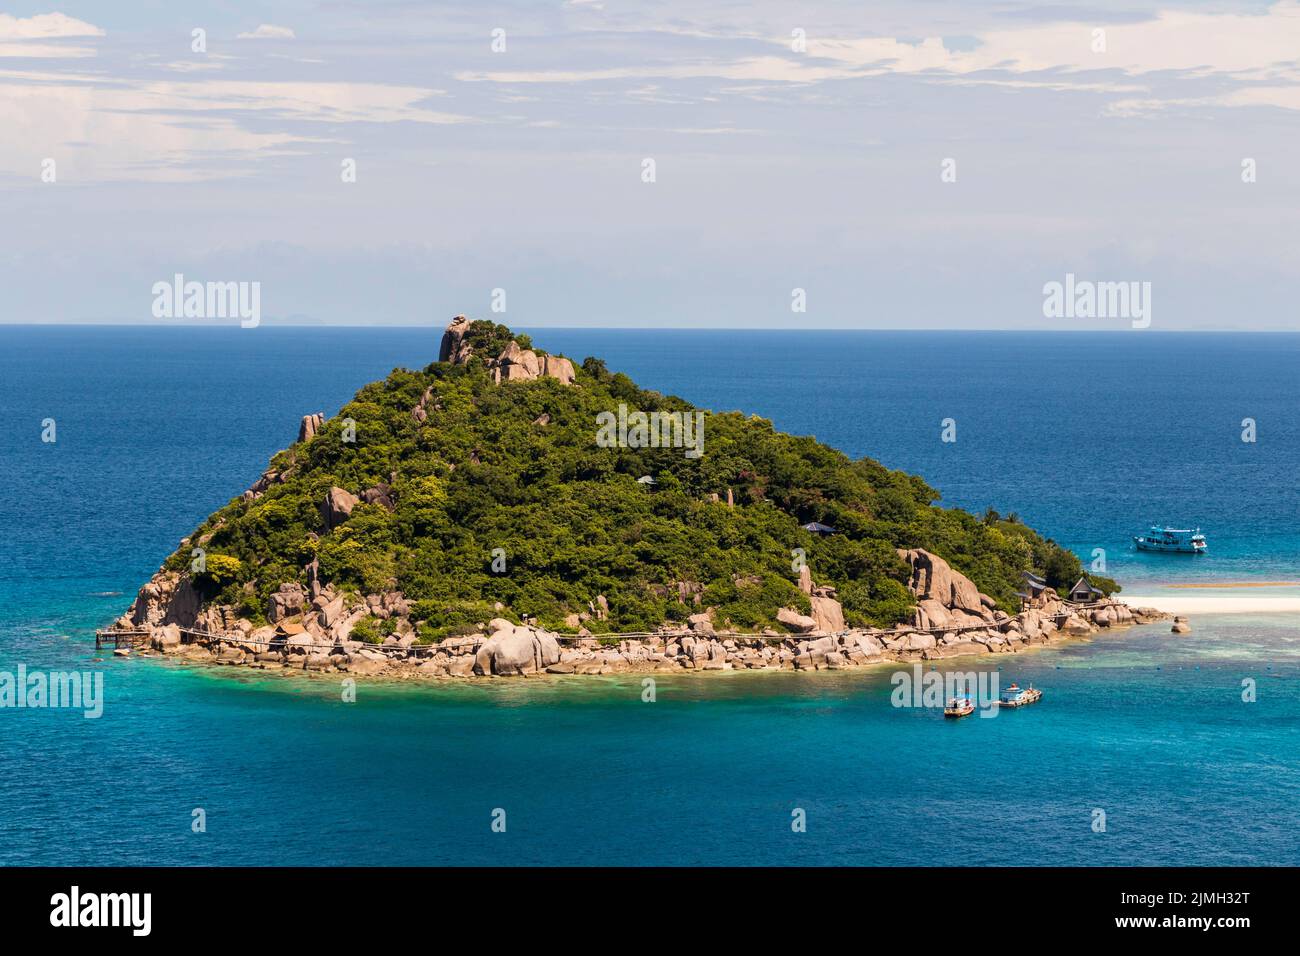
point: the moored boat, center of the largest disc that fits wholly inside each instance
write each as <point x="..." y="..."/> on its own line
<point x="1017" y="696"/>
<point x="959" y="707"/>
<point x="1182" y="540"/>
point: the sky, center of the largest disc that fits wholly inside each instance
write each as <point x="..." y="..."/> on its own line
<point x="913" y="165"/>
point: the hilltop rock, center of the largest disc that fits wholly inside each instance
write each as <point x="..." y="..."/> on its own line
<point x="310" y="426"/>
<point x="454" y="348"/>
<point x="514" y="364"/>
<point x="558" y="367"/>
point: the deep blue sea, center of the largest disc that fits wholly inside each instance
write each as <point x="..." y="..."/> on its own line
<point x="1088" y="437"/>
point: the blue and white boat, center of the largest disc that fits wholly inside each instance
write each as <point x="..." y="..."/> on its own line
<point x="1185" y="540"/>
<point x="1017" y="696"/>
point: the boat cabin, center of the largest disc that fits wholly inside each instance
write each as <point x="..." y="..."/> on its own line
<point x="1084" y="593"/>
<point x="1013" y="694"/>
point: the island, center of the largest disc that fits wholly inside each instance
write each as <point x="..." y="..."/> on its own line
<point x="505" y="511"/>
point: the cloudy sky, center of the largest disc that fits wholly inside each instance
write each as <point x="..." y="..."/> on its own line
<point x="795" y="145"/>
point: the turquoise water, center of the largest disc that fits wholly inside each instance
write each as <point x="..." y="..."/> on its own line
<point x="157" y="427"/>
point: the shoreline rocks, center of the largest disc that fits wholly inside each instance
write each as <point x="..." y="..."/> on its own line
<point x="317" y="640"/>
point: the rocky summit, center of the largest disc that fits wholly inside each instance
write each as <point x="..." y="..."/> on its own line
<point x="462" y="520"/>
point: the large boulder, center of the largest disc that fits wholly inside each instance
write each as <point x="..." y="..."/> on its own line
<point x="454" y="348"/>
<point x="794" y="621"/>
<point x="805" y="579"/>
<point x="1075" y="626"/>
<point x="168" y="598"/>
<point x="827" y="614"/>
<point x="285" y="602"/>
<point x="310" y="426"/>
<point x="380" y="494"/>
<point x="918" y="642"/>
<point x="517" y="649"/>
<point x="931" y="613"/>
<point x="167" y="637"/>
<point x="866" y="645"/>
<point x="558" y="367"/>
<point x="932" y="578"/>
<point x="337" y="506"/>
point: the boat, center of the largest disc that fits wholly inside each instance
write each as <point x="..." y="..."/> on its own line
<point x="1184" y="540"/>
<point x="959" y="707"/>
<point x="1017" y="696"/>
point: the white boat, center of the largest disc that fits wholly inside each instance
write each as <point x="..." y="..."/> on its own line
<point x="1185" y="540"/>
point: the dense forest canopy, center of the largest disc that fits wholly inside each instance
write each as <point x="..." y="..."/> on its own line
<point x="516" y="467"/>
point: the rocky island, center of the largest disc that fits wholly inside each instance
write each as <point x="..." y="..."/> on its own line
<point x="464" y="520"/>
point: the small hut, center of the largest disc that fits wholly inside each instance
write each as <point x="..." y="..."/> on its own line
<point x="816" y="527"/>
<point x="1031" y="594"/>
<point x="1084" y="593"/>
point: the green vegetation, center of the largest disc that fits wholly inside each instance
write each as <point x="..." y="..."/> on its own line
<point x="479" y="474"/>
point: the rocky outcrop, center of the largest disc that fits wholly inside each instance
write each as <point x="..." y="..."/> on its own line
<point x="317" y="639"/>
<point x="310" y="426"/>
<point x="516" y="649"/>
<point x="514" y="364"/>
<point x="933" y="579"/>
<point x="559" y="368"/>
<point x="337" y="506"/>
<point x="380" y="494"/>
<point x="168" y="598"/>
<point x="286" y="602"/>
<point x="827" y="614"/>
<point x="799" y="623"/>
<point x="269" y="477"/>
<point x="454" y="348"/>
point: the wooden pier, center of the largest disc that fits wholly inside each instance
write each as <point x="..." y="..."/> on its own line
<point x="130" y="639"/>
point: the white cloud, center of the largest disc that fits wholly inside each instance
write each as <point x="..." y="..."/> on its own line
<point x="16" y="36"/>
<point x="45" y="26"/>
<point x="1185" y="46"/>
<point x="268" y="31"/>
<point x="165" y="130"/>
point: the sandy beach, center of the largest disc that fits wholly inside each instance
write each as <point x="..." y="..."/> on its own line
<point x="1178" y="601"/>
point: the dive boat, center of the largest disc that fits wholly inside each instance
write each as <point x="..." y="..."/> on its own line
<point x="1185" y="540"/>
<point x="959" y="707"/>
<point x="1017" y="696"/>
